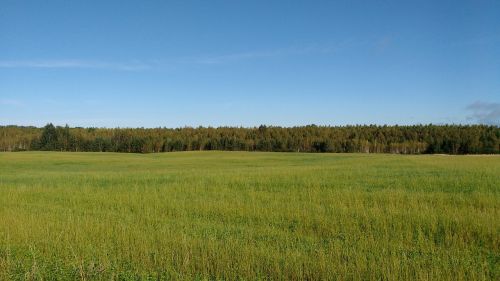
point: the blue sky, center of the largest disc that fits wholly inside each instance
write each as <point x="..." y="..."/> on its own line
<point x="246" y="63"/>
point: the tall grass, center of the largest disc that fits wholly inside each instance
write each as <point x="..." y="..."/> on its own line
<point x="236" y="215"/>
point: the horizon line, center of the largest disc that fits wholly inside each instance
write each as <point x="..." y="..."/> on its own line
<point x="258" y="126"/>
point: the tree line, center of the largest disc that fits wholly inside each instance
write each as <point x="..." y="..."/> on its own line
<point x="415" y="139"/>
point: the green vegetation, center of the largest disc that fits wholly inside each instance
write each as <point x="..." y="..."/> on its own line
<point x="242" y="215"/>
<point x="418" y="139"/>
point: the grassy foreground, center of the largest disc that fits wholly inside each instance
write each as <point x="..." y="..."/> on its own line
<point x="236" y="215"/>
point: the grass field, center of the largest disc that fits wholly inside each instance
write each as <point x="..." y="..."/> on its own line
<point x="236" y="215"/>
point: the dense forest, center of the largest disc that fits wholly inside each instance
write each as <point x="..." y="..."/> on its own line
<point x="452" y="139"/>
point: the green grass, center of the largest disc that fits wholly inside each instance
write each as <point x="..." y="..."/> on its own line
<point x="237" y="215"/>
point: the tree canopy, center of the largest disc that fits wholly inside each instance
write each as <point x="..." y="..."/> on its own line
<point x="416" y="139"/>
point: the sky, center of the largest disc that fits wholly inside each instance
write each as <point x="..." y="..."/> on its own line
<point x="246" y="63"/>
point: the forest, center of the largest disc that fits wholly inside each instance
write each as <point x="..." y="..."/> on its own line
<point x="415" y="139"/>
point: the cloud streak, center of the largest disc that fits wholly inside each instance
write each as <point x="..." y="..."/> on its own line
<point x="10" y="102"/>
<point x="74" y="63"/>
<point x="292" y="51"/>
<point x="321" y="49"/>
<point x="484" y="112"/>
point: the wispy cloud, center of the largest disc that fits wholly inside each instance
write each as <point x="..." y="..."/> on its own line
<point x="484" y="112"/>
<point x="383" y="43"/>
<point x="232" y="57"/>
<point x="291" y="51"/>
<point x="74" y="63"/>
<point x="11" y="102"/>
<point x="316" y="49"/>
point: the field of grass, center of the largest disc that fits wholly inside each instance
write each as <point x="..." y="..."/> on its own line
<point x="237" y="215"/>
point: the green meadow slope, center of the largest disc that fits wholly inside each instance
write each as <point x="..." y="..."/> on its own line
<point x="240" y="215"/>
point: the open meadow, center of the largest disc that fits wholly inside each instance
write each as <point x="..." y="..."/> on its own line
<point x="248" y="216"/>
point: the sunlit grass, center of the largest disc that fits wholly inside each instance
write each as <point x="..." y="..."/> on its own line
<point x="236" y="215"/>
